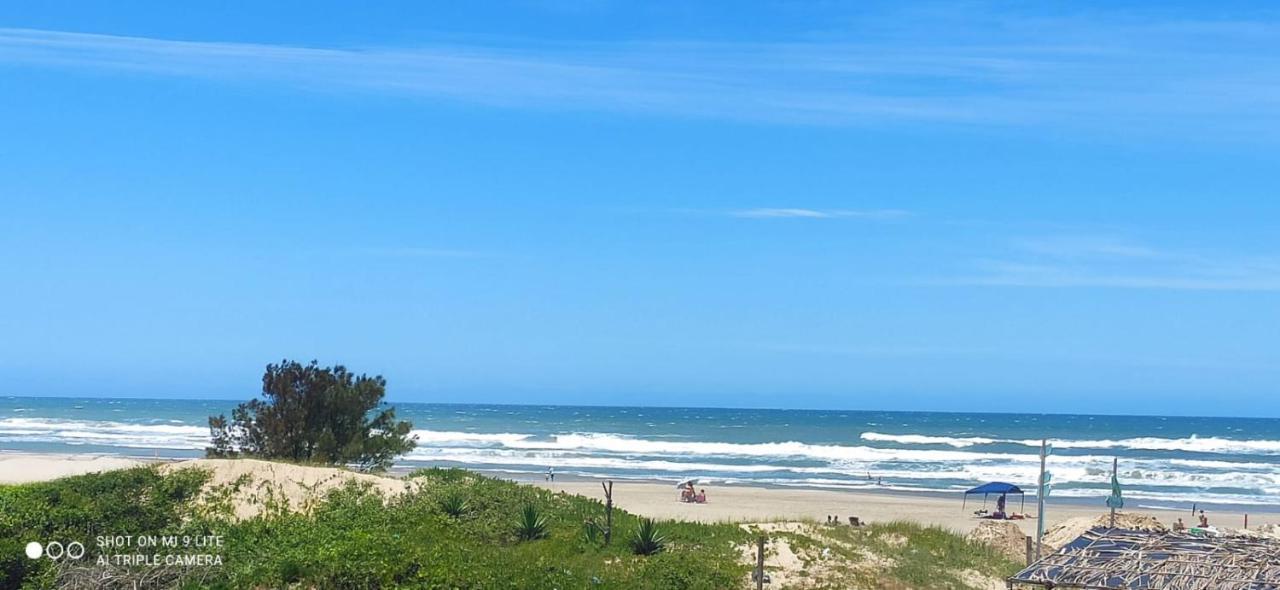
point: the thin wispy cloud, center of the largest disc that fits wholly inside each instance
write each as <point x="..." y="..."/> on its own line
<point x="795" y="213"/>
<point x="1076" y="262"/>
<point x="1084" y="246"/>
<point x="419" y="252"/>
<point x="1144" y="77"/>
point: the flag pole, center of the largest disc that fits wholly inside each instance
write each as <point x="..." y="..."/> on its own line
<point x="1044" y="447"/>
<point x="1115" y="462"/>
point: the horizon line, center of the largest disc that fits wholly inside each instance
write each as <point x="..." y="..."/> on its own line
<point x="681" y="407"/>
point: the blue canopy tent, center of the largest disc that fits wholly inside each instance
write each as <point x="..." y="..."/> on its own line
<point x="995" y="487"/>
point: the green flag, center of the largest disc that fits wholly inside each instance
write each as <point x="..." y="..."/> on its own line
<point x="1115" y="500"/>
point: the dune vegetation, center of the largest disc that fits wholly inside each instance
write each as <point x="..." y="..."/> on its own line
<point x="443" y="528"/>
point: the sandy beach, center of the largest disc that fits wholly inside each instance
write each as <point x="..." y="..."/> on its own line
<point x="754" y="504"/>
<point x="23" y="467"/>
<point x="736" y="503"/>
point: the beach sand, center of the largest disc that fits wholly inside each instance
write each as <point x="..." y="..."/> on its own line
<point x="737" y="503"/>
<point x="755" y="504"/>
<point x="23" y="467"/>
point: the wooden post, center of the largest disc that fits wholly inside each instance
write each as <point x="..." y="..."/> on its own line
<point x="608" y="510"/>
<point x="1029" y="553"/>
<point x="760" y="563"/>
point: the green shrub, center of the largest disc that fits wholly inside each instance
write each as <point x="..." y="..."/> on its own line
<point x="455" y="505"/>
<point x="531" y="525"/>
<point x="648" y="540"/>
<point x="592" y="532"/>
<point x="136" y="501"/>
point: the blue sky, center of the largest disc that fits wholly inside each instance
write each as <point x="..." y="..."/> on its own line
<point x="951" y="206"/>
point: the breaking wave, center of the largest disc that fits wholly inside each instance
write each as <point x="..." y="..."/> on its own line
<point x="160" y="435"/>
<point x="1218" y="469"/>
<point x="1192" y="444"/>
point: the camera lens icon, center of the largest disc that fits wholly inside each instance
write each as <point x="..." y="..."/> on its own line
<point x="55" y="550"/>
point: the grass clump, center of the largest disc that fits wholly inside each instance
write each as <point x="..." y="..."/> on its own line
<point x="648" y="540"/>
<point x="910" y="554"/>
<point x="532" y="525"/>
<point x="455" y="505"/>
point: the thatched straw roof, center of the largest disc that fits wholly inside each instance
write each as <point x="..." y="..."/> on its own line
<point x="1119" y="559"/>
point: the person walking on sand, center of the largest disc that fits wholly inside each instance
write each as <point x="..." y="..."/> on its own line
<point x="551" y="474"/>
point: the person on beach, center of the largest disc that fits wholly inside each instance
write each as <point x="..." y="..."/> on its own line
<point x="701" y="498"/>
<point x="1204" y="520"/>
<point x="551" y="474"/>
<point x="1179" y="526"/>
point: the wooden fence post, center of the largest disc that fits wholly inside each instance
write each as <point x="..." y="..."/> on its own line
<point x="608" y="511"/>
<point x="760" y="563"/>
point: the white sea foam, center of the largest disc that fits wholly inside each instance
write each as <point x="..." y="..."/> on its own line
<point x="461" y="439"/>
<point x="584" y="450"/>
<point x="1192" y="444"/>
<point x="581" y="461"/>
<point x="785" y="462"/>
<point x="1199" y="497"/>
<point x="106" y="433"/>
<point x="1066" y="471"/>
<point x="920" y="439"/>
<point x="616" y="443"/>
<point x="1224" y="465"/>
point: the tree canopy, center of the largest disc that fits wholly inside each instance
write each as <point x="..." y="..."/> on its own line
<point x="314" y="414"/>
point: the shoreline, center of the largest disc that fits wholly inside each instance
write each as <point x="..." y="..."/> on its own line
<point x="17" y="467"/>
<point x="739" y="502"/>
<point x="1070" y="502"/>
<point x="1169" y="465"/>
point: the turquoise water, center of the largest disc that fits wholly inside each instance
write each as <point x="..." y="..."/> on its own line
<point x="1163" y="461"/>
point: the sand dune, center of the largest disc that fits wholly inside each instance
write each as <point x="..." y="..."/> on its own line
<point x="251" y="486"/>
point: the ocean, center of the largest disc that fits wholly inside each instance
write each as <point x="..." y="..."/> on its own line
<point x="1163" y="461"/>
